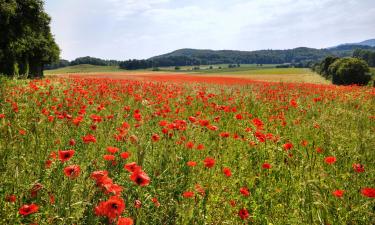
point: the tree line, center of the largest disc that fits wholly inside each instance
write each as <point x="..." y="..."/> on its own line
<point x="82" y="60"/>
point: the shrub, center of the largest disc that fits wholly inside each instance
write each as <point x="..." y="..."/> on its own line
<point x="348" y="71"/>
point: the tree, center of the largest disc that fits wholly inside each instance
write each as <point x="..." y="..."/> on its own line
<point x="347" y="71"/>
<point x="324" y="66"/>
<point x="26" y="43"/>
<point x="368" y="56"/>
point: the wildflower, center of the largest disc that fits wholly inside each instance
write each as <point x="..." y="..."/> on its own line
<point x="266" y="166"/>
<point x="125" y="155"/>
<point x="155" y="137"/>
<point x="89" y="138"/>
<point x="72" y="171"/>
<point x="112" y="150"/>
<point x="11" y="198"/>
<point x="66" y="155"/>
<point x="209" y="162"/>
<point x="188" y="194"/>
<point x="358" y="168"/>
<point x="139" y="177"/>
<point x="287" y="146"/>
<point x="227" y="171"/>
<point x="191" y="163"/>
<point x="109" y="157"/>
<point x="243" y="214"/>
<point x="131" y="167"/>
<point x="111" y="208"/>
<point x="245" y="191"/>
<point x="28" y="209"/>
<point x="330" y="160"/>
<point x="125" y="221"/>
<point x="368" y="192"/>
<point x="338" y="193"/>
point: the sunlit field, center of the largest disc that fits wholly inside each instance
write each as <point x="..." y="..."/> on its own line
<point x="246" y="71"/>
<point x="103" y="151"/>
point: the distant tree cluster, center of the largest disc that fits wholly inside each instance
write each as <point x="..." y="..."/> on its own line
<point x="366" y="55"/>
<point x="344" y="71"/>
<point x="82" y="60"/>
<point x="26" y="42"/>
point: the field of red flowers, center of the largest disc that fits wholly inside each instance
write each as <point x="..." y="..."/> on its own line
<point x="102" y="151"/>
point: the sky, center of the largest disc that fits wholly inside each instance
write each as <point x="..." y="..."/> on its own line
<point x="138" y="29"/>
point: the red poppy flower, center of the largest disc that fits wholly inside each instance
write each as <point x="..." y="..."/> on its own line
<point x="359" y="168"/>
<point x="112" y="150"/>
<point x="111" y="208"/>
<point x="28" y="209"/>
<point x="131" y="167"/>
<point x="244" y="191"/>
<point x="155" y="137"/>
<point x="66" y="155"/>
<point x="190" y="145"/>
<point x="2" y="116"/>
<point x="191" y="163"/>
<point x="72" y="142"/>
<point x="156" y="202"/>
<point x="139" y="177"/>
<point x="287" y="146"/>
<point x="109" y="157"/>
<point x="188" y="194"/>
<point x="224" y="134"/>
<point x="89" y="138"/>
<point x="266" y="166"/>
<point x="209" y="162"/>
<point x="200" y="147"/>
<point x="125" y="221"/>
<point x="125" y="155"/>
<point x="11" y="198"/>
<point x="137" y="204"/>
<point x="330" y="160"/>
<point x="368" y="192"/>
<point x="72" y="171"/>
<point x="243" y="214"/>
<point x="338" y="193"/>
<point x="227" y="171"/>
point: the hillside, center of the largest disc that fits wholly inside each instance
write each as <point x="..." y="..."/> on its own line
<point x="83" y="68"/>
<point x="301" y="57"/>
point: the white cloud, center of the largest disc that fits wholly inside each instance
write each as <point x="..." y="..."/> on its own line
<point x="124" y="29"/>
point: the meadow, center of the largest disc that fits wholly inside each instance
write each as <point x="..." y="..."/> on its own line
<point x="267" y="72"/>
<point x="116" y="151"/>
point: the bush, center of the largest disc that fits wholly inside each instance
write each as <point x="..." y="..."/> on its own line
<point x="348" y="71"/>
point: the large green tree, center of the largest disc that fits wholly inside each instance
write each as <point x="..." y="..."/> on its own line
<point x="26" y="42"/>
<point x="347" y="71"/>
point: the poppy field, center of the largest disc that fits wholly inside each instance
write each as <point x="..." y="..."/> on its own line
<point x="105" y="151"/>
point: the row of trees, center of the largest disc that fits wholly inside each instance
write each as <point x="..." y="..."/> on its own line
<point x="26" y="42"/>
<point x="344" y="71"/>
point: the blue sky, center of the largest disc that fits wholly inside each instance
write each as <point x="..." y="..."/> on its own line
<point x="124" y="29"/>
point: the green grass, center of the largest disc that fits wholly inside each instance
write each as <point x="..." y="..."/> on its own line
<point x="85" y="68"/>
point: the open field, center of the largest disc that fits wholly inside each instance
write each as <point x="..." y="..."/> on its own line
<point x="90" y="151"/>
<point x="266" y="73"/>
<point x="83" y="69"/>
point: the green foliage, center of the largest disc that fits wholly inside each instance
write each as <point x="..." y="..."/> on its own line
<point x="348" y="71"/>
<point x="324" y="66"/>
<point x="27" y="43"/>
<point x="366" y="55"/>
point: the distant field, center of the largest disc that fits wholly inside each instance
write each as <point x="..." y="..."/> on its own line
<point x="83" y="69"/>
<point x="246" y="71"/>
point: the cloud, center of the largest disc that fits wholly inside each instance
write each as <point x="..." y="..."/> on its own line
<point x="123" y="29"/>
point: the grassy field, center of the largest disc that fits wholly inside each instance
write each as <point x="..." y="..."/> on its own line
<point x="97" y="151"/>
<point x="250" y="71"/>
<point x="83" y="69"/>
